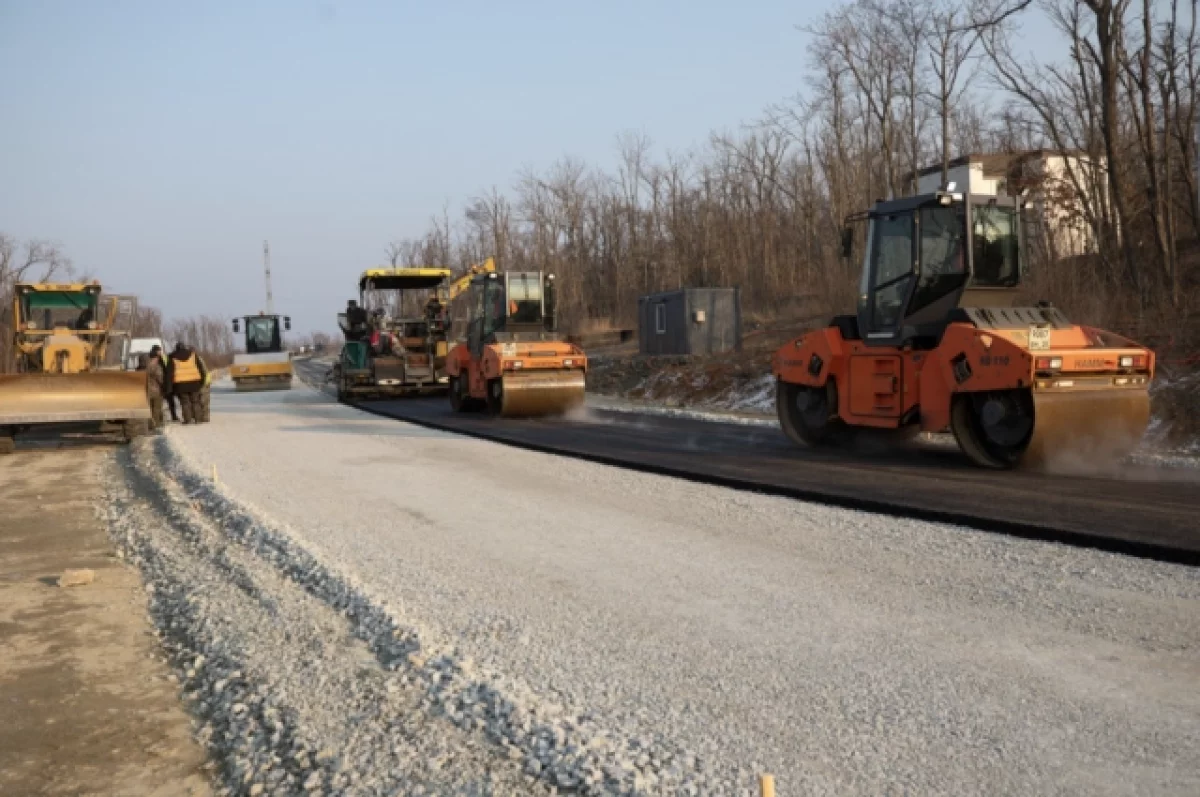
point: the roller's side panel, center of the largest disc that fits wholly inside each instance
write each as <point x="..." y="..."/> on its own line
<point x="968" y="360"/>
<point x="65" y="398"/>
<point x="793" y="362"/>
<point x="458" y="361"/>
<point x="823" y="355"/>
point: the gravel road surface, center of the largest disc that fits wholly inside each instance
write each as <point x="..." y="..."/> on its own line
<point x="621" y="632"/>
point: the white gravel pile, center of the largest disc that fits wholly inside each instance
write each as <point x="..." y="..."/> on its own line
<point x="708" y="634"/>
<point x="307" y="685"/>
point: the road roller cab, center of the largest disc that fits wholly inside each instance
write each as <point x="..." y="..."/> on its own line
<point x="514" y="362"/>
<point x="941" y="341"/>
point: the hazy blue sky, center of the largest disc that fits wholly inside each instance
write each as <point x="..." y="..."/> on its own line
<point x="161" y="142"/>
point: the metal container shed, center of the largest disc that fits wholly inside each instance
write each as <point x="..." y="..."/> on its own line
<point x="690" y="321"/>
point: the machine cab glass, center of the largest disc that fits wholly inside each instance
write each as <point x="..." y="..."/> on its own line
<point x="262" y="335"/>
<point x="47" y="310"/>
<point x="923" y="253"/>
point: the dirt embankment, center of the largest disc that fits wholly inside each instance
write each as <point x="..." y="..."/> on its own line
<point x="738" y="381"/>
<point x="88" y="706"/>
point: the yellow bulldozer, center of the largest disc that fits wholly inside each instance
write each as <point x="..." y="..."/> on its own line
<point x="61" y="333"/>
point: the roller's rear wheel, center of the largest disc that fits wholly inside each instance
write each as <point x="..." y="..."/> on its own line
<point x="460" y="395"/>
<point x="993" y="428"/>
<point x="808" y="415"/>
<point x="495" y="397"/>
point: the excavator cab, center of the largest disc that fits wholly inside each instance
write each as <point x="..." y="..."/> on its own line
<point x="926" y="256"/>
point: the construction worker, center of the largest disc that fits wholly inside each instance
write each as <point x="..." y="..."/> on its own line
<point x="156" y="378"/>
<point x="205" y="391"/>
<point x="356" y="321"/>
<point x="186" y="374"/>
<point x="168" y="393"/>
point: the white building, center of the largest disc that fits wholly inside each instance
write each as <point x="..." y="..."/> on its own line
<point x="1058" y="205"/>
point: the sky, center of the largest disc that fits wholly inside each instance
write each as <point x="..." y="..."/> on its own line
<point x="160" y="143"/>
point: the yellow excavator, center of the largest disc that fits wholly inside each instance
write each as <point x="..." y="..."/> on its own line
<point x="61" y="333"/>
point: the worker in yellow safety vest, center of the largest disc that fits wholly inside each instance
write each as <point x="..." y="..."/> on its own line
<point x="186" y="373"/>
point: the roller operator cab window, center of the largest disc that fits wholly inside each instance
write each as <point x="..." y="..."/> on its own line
<point x="262" y="335"/>
<point x="892" y="237"/>
<point x="50" y="309"/>
<point x="525" y="298"/>
<point x="942" y="254"/>
<point x="995" y="247"/>
<point x="493" y="306"/>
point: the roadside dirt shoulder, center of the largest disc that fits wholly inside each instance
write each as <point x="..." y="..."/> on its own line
<point x="89" y="707"/>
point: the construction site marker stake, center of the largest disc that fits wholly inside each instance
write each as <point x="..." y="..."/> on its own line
<point x="766" y="785"/>
<point x="214" y="473"/>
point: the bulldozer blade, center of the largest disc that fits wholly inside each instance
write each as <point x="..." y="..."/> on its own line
<point x="1086" y="427"/>
<point x="64" y="398"/>
<point x="533" y="393"/>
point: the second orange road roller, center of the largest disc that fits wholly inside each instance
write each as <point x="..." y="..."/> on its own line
<point x="514" y="363"/>
<point x="942" y="341"/>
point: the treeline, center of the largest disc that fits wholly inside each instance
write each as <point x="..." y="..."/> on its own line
<point x="894" y="87"/>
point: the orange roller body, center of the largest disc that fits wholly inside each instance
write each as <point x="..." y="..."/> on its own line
<point x="942" y="343"/>
<point x="513" y="363"/>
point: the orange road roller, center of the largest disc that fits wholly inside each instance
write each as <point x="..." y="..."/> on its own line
<point x="941" y="341"/>
<point x="513" y="362"/>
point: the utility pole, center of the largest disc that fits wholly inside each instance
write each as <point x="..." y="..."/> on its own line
<point x="267" y="269"/>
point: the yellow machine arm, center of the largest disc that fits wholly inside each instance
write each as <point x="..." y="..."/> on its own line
<point x="460" y="284"/>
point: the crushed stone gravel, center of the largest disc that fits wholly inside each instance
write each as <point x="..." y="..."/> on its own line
<point x="639" y="634"/>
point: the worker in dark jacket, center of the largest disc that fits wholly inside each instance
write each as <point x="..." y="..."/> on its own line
<point x="356" y="321"/>
<point x="168" y="394"/>
<point x="156" y="385"/>
<point x="186" y="374"/>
